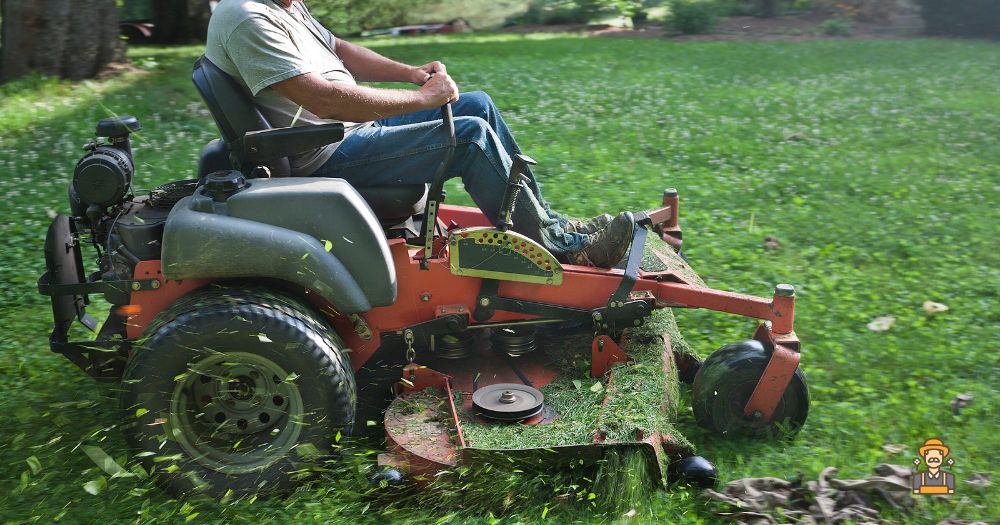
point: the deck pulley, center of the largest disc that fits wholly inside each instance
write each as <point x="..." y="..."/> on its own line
<point x="508" y="402"/>
<point x="456" y="346"/>
<point x="515" y="341"/>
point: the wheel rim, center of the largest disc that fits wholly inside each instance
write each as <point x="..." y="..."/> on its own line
<point x="236" y="412"/>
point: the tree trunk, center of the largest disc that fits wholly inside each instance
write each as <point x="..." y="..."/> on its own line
<point x="180" y="21"/>
<point x="768" y="8"/>
<point x="67" y="38"/>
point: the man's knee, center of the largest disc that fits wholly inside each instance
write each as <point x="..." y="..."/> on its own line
<point x="478" y="100"/>
<point x="471" y="129"/>
<point x="477" y="141"/>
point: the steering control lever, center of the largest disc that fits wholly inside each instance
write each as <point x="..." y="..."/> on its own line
<point x="435" y="195"/>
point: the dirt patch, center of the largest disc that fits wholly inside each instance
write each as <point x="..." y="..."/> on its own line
<point x="116" y="69"/>
<point x="555" y="28"/>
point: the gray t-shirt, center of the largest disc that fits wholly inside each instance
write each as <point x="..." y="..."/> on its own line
<point x="261" y="43"/>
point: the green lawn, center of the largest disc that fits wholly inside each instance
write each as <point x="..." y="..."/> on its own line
<point x="876" y="164"/>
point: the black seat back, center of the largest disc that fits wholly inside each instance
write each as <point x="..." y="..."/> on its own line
<point x="234" y="113"/>
<point x="230" y="104"/>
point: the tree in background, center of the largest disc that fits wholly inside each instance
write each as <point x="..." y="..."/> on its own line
<point x="768" y="8"/>
<point x="67" y="38"/>
<point x="968" y="18"/>
<point x="180" y="21"/>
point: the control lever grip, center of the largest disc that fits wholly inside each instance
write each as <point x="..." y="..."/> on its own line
<point x="513" y="191"/>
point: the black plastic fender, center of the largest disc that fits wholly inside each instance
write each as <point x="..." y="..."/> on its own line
<point x="314" y="232"/>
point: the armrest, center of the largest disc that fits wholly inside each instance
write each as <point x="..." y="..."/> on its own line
<point x="272" y="144"/>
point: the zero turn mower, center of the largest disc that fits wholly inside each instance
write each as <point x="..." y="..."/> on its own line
<point x="257" y="318"/>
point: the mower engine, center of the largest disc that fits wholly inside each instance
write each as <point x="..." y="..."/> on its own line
<point x="122" y="227"/>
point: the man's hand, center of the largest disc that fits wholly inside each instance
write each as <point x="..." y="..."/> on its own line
<point x="439" y="89"/>
<point x="423" y="73"/>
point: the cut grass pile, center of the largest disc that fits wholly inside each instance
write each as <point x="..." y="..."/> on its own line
<point x="640" y="396"/>
<point x="874" y="164"/>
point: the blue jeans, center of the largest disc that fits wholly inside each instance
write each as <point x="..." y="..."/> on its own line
<point x="408" y="150"/>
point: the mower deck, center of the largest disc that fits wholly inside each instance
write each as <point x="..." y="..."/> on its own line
<point x="433" y="426"/>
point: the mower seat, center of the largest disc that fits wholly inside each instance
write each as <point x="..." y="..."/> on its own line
<point x="250" y="144"/>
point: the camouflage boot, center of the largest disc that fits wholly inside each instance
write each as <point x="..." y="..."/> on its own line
<point x="608" y="246"/>
<point x="588" y="227"/>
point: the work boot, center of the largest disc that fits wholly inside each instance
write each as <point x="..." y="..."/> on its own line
<point x="588" y="227"/>
<point x="608" y="246"/>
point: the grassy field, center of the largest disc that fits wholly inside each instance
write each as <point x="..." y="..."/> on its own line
<point x="875" y="164"/>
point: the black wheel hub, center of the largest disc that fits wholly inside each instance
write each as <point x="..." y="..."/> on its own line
<point x="236" y="412"/>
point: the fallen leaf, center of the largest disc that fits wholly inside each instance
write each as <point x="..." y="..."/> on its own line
<point x="307" y="450"/>
<point x="933" y="308"/>
<point x="34" y="464"/>
<point x="105" y="462"/>
<point x="881" y="324"/>
<point x="263" y="338"/>
<point x="94" y="487"/>
<point x="893" y="449"/>
<point x="597" y="387"/>
<point x="979" y="480"/>
<point x="630" y="514"/>
<point x="961" y="401"/>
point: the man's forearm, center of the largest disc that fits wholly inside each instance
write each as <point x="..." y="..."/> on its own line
<point x="349" y="102"/>
<point x="369" y="66"/>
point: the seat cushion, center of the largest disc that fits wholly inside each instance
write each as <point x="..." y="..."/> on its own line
<point x="395" y="202"/>
<point x="390" y="203"/>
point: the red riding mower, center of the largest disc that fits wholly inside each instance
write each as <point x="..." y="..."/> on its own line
<point x="256" y="319"/>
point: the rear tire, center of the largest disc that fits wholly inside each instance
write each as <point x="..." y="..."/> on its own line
<point x="723" y="386"/>
<point x="237" y="390"/>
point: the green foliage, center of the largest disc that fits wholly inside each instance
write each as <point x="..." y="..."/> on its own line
<point x="481" y="14"/>
<point x="135" y="10"/>
<point x="692" y="16"/>
<point x="553" y="12"/>
<point x="351" y="16"/>
<point x="837" y="27"/>
<point x="967" y="18"/>
<point x="737" y="8"/>
<point x="558" y="12"/>
<point x="873" y="162"/>
<point x="762" y="7"/>
<point x="879" y="11"/>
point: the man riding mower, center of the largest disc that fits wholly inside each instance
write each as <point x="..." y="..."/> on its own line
<point x="258" y="317"/>
<point x="301" y="74"/>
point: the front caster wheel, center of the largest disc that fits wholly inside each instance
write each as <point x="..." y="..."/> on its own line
<point x="723" y="386"/>
<point x="695" y="471"/>
<point x="237" y="391"/>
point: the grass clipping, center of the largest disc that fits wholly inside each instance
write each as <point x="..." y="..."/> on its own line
<point x="640" y="395"/>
